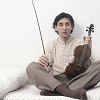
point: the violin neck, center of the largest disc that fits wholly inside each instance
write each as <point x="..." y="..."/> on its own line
<point x="83" y="54"/>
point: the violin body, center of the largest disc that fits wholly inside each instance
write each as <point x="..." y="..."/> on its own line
<point x="82" y="60"/>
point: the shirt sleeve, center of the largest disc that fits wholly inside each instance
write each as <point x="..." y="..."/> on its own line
<point x="49" y="54"/>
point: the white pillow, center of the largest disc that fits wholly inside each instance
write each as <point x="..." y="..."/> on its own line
<point x="30" y="92"/>
<point x="94" y="94"/>
<point x="11" y="79"/>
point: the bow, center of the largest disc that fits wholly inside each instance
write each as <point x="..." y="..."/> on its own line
<point x="38" y="26"/>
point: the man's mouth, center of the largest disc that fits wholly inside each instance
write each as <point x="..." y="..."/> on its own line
<point x="64" y="32"/>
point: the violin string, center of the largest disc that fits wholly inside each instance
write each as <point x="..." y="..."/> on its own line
<point x="38" y="26"/>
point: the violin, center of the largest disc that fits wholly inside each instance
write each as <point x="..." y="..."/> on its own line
<point x="82" y="60"/>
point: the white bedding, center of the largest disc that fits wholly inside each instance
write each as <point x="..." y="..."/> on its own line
<point x="14" y="79"/>
<point x="30" y="92"/>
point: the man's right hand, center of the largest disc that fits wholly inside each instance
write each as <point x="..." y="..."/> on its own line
<point x="43" y="60"/>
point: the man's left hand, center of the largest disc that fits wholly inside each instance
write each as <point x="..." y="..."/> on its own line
<point x="87" y="39"/>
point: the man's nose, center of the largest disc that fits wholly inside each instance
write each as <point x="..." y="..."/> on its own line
<point x="64" y="27"/>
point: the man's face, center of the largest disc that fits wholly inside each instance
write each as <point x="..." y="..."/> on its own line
<point x="64" y="27"/>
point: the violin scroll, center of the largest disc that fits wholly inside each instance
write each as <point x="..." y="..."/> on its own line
<point x="90" y="29"/>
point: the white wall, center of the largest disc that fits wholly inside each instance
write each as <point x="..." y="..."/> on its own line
<point x="19" y="35"/>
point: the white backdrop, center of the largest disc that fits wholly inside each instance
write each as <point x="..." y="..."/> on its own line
<point x="20" y="41"/>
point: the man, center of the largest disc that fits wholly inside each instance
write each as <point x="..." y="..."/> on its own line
<point x="48" y="74"/>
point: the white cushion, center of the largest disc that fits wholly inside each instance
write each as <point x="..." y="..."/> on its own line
<point x="11" y="79"/>
<point x="30" y="92"/>
<point x="94" y="94"/>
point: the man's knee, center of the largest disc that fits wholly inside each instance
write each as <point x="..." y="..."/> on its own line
<point x="32" y="71"/>
<point x="33" y="67"/>
<point x="30" y="68"/>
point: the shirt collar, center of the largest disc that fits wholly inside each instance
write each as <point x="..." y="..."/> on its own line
<point x="62" y="42"/>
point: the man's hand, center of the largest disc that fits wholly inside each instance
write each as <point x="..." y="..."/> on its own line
<point x="87" y="39"/>
<point x="70" y="59"/>
<point x="43" y="60"/>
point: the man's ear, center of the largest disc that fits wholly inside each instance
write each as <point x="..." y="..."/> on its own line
<point x="55" y="29"/>
<point x="72" y="29"/>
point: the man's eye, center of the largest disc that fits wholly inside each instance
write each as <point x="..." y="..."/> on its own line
<point x="60" y="24"/>
<point x="68" y="24"/>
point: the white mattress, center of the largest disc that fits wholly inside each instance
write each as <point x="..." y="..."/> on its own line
<point x="30" y="92"/>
